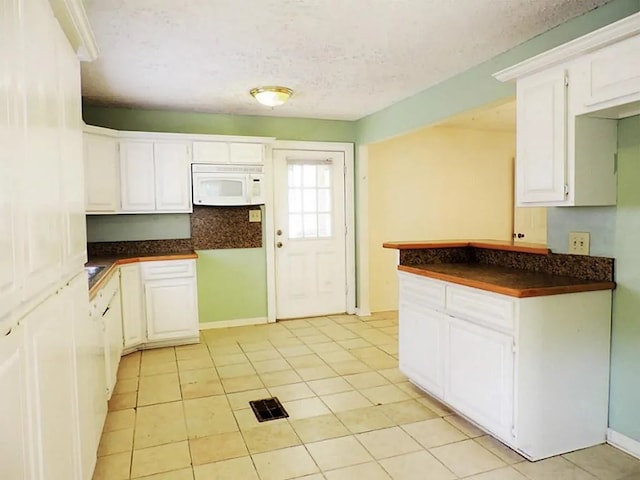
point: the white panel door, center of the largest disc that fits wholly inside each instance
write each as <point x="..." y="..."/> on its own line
<point x="137" y="177"/>
<point x="41" y="192"/>
<point x="11" y="153"/>
<point x="15" y="459"/>
<point x="51" y="352"/>
<point x="310" y="233"/>
<point x="133" y="317"/>
<point x="421" y="346"/>
<point x="102" y="173"/>
<point x="171" y="307"/>
<point x="480" y="369"/>
<point x="542" y="138"/>
<point x="172" y="177"/>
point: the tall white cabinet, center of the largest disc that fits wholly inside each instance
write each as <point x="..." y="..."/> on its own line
<point x="42" y="239"/>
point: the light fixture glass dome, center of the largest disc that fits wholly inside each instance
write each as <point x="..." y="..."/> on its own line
<point x="271" y="96"/>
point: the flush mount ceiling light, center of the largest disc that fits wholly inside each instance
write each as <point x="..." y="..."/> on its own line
<point x="271" y="96"/>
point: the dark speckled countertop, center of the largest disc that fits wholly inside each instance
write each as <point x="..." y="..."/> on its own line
<point x="508" y="281"/>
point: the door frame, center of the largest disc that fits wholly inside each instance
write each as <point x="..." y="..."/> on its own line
<point x="349" y="203"/>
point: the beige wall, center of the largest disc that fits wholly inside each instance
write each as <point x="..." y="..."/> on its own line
<point x="436" y="183"/>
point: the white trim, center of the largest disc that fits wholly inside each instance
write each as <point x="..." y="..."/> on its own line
<point x="615" y="32"/>
<point x="624" y="443"/>
<point x="362" y="187"/>
<point x="240" y="322"/>
<point x="75" y="24"/>
<point x="269" y="235"/>
<point x="170" y="136"/>
<point x="347" y="149"/>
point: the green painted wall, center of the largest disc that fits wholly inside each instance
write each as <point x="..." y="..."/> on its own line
<point x="219" y="124"/>
<point x="614" y="233"/>
<point x="231" y="284"/>
<point x="476" y="87"/>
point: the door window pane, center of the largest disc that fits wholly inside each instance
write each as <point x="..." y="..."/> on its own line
<point x="310" y="191"/>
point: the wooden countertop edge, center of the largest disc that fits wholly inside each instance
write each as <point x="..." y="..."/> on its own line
<point x="523" y="248"/>
<point x="512" y="292"/>
<point x="125" y="261"/>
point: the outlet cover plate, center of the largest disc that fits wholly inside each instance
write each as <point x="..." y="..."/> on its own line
<point x="255" y="215"/>
<point x="579" y="243"/>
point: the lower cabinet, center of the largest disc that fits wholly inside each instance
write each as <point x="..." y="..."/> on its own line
<point x="112" y="321"/>
<point x="159" y="303"/>
<point x="15" y="449"/>
<point x="533" y="372"/>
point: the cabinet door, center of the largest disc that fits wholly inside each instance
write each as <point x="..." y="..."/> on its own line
<point x="480" y="369"/>
<point x="52" y="382"/>
<point x="15" y="456"/>
<point x="171" y="307"/>
<point x="11" y="152"/>
<point x="137" y="177"/>
<point x="210" y="152"/>
<point x="41" y="195"/>
<point x="541" y="138"/>
<point x="70" y="138"/>
<point x="614" y="73"/>
<point x="246" y="153"/>
<point x="421" y="340"/>
<point x="172" y="177"/>
<point x="112" y="318"/>
<point x="101" y="173"/>
<point x="133" y="317"/>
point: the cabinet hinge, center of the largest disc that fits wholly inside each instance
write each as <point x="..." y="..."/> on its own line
<point x="566" y="189"/>
<point x="566" y="80"/>
<point x="514" y="349"/>
<point x="513" y="432"/>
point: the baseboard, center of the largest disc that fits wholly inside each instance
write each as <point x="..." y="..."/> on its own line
<point x="624" y="443"/>
<point x="240" y="322"/>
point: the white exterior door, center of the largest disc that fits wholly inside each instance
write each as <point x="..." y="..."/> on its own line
<point x="310" y="254"/>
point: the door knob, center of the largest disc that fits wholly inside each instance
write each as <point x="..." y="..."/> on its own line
<point x="279" y="232"/>
<point x="279" y="244"/>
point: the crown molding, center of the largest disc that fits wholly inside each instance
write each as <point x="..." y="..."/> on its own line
<point x="75" y="24"/>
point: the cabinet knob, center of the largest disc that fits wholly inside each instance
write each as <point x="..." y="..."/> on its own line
<point x="279" y="244"/>
<point x="521" y="235"/>
<point x="279" y="232"/>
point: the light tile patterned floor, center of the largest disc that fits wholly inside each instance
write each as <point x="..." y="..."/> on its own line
<point x="183" y="414"/>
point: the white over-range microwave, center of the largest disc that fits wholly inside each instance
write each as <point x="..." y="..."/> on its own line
<point x="227" y="184"/>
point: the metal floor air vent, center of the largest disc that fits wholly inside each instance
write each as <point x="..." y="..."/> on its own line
<point x="268" y="409"/>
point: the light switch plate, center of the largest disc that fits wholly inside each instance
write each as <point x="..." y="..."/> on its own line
<point x="579" y="243"/>
<point x="255" y="215"/>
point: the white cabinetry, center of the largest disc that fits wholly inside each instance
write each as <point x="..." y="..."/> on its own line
<point x="50" y="349"/>
<point x="15" y="450"/>
<point x="170" y="300"/>
<point x="102" y="173"/>
<point x="112" y="320"/>
<point x="155" y="177"/>
<point x="531" y="371"/>
<point x="133" y="315"/>
<point x="568" y="101"/>
<point x="228" y="152"/>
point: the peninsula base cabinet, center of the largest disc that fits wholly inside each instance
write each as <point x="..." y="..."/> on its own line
<point x="533" y="372"/>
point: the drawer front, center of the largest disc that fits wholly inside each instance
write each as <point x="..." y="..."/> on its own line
<point x="421" y="291"/>
<point x="168" y="269"/>
<point x="481" y="307"/>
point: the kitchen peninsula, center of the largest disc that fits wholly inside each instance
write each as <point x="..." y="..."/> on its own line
<point x="513" y="337"/>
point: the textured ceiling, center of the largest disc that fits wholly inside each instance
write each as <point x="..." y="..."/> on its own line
<point x="344" y="59"/>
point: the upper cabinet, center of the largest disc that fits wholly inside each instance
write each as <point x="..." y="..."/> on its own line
<point x="568" y="102"/>
<point x="228" y="152"/>
<point x="155" y="177"/>
<point x="142" y="172"/>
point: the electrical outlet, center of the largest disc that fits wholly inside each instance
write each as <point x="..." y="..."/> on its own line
<point x="255" y="215"/>
<point x="579" y="243"/>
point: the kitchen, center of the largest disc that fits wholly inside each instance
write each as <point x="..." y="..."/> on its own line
<point x="612" y="227"/>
